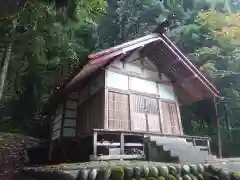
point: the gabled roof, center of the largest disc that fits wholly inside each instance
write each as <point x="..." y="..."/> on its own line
<point x="190" y="83"/>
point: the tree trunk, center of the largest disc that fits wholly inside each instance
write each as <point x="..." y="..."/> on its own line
<point x="6" y="59"/>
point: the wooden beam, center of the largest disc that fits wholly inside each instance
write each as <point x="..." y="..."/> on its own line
<point x="219" y="142"/>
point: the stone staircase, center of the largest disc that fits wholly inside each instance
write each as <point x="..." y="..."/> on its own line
<point x="177" y="150"/>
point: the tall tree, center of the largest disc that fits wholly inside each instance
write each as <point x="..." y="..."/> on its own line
<point x="46" y="36"/>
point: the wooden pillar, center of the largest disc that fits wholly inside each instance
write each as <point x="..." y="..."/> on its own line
<point x="95" y="144"/>
<point x="209" y="147"/>
<point x="122" y="143"/>
<point x="219" y="143"/>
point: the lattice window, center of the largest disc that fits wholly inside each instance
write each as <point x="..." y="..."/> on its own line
<point x="145" y="105"/>
<point x="118" y="111"/>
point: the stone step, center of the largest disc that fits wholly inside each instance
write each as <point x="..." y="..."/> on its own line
<point x="180" y="150"/>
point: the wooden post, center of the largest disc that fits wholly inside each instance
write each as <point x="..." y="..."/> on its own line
<point x="94" y="144"/>
<point x="122" y="143"/>
<point x="209" y="148"/>
<point x="218" y="130"/>
<point x="194" y="141"/>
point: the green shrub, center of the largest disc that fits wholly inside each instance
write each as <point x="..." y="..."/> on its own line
<point x="144" y="171"/>
<point x="117" y="173"/>
<point x="103" y="174"/>
<point x="163" y="171"/>
<point x="178" y="168"/>
<point x="171" y="177"/>
<point x="193" y="169"/>
<point x="186" y="177"/>
<point x="185" y="169"/>
<point x="193" y="177"/>
<point x="172" y="170"/>
<point x="200" y="168"/>
<point x="83" y="174"/>
<point x="128" y="173"/>
<point x="161" y="178"/>
<point x="92" y="174"/>
<point x="136" y="172"/>
<point x="153" y="171"/>
<point x="125" y="172"/>
<point x="151" y="178"/>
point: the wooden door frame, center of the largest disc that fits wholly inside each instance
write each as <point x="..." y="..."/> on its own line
<point x="178" y="114"/>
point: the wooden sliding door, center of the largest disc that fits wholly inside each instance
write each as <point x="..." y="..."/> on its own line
<point x="118" y="111"/>
<point x="144" y="114"/>
<point x="171" y="124"/>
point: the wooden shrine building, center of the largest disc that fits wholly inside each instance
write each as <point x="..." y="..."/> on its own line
<point x="119" y="96"/>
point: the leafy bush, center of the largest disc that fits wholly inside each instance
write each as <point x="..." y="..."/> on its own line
<point x="147" y="171"/>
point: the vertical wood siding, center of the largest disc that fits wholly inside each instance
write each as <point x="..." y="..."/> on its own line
<point x="118" y="111"/>
<point x="91" y="114"/>
<point x="171" y="124"/>
<point x="145" y="115"/>
<point x="138" y="119"/>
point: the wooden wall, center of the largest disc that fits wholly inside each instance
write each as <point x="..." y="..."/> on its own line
<point x="57" y="123"/>
<point x="91" y="114"/>
<point x="140" y="99"/>
<point x="81" y="111"/>
<point x="91" y="105"/>
<point x="64" y="119"/>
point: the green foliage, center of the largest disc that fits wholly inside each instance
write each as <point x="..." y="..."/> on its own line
<point x="47" y="37"/>
<point x="117" y="173"/>
<point x="161" y="178"/>
<point x="44" y="37"/>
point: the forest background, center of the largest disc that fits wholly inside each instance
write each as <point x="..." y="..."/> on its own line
<point x="39" y="38"/>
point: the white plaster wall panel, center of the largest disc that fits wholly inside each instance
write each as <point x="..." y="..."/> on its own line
<point x="57" y="126"/>
<point x="166" y="92"/>
<point x="116" y="80"/>
<point x="97" y="83"/>
<point x="69" y="132"/>
<point x="149" y="63"/>
<point x="70" y="104"/>
<point x="144" y="86"/>
<point x="70" y="114"/>
<point x="133" y="68"/>
<point x="73" y="95"/>
<point x="164" y="77"/>
<point x="70" y="122"/>
<point x="83" y="95"/>
<point x="58" y="117"/>
<point x="151" y="75"/>
<point x="117" y="64"/>
<point x="56" y="135"/>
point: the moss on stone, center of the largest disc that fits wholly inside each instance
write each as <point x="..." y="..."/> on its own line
<point x="151" y="178"/>
<point x="144" y="171"/>
<point x="163" y="171"/>
<point x="171" y="177"/>
<point x="117" y="173"/>
<point x="103" y="174"/>
<point x="136" y="172"/>
<point x="153" y="171"/>
<point x="161" y="178"/>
